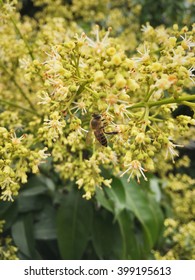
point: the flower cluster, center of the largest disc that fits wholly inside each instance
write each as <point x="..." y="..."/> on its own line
<point x="135" y="95"/>
<point x="57" y="76"/>
<point x="180" y="229"/>
<point x="181" y="241"/>
<point x="123" y="16"/>
<point x="7" y="250"/>
<point x="17" y="159"/>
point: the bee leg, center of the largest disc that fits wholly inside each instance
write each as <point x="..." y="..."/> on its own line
<point x="111" y="133"/>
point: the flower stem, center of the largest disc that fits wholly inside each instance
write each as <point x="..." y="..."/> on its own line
<point x="172" y="100"/>
<point x="79" y="91"/>
<point x="22" y="37"/>
<point x="190" y="104"/>
<point x="164" y="101"/>
<point x="17" y="106"/>
<point x="18" y="86"/>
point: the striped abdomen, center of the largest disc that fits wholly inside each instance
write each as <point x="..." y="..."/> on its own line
<point x="101" y="137"/>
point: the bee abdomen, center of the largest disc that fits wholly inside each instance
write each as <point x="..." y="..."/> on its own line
<point x="101" y="138"/>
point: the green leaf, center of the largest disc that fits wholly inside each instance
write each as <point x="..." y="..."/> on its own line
<point x="117" y="194"/>
<point x="154" y="186"/>
<point x="74" y="220"/>
<point x="8" y="212"/>
<point x="143" y="205"/>
<point x="29" y="203"/>
<point x="131" y="250"/>
<point x="22" y="233"/>
<point x="45" y="227"/>
<point x="103" y="200"/>
<point x="106" y="236"/>
<point x="145" y="209"/>
<point x="36" y="185"/>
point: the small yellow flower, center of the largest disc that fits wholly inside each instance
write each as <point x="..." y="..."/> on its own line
<point x="17" y="140"/>
<point x="42" y="153"/>
<point x="187" y="43"/>
<point x="99" y="76"/>
<point x="147" y="29"/>
<point x="116" y="59"/>
<point x="80" y="106"/>
<point x="44" y="96"/>
<point x="132" y="84"/>
<point x="80" y="182"/>
<point x="120" y="81"/>
<point x="144" y="55"/>
<point x="136" y="170"/>
<point x="171" y="150"/>
<point x="7" y="195"/>
<point x="98" y="44"/>
<point x="54" y="125"/>
<point x="111" y="51"/>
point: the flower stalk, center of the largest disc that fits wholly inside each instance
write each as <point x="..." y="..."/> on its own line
<point x="22" y="37"/>
<point x="19" y="87"/>
<point x="164" y="101"/>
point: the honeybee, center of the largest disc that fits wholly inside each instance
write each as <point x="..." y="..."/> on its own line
<point x="97" y="125"/>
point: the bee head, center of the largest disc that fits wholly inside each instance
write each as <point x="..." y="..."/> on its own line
<point x="96" y="116"/>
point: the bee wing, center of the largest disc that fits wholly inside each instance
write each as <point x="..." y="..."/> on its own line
<point x="89" y="137"/>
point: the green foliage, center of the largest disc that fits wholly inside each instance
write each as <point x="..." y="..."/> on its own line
<point x="167" y="12"/>
<point x="74" y="222"/>
<point x="80" y="229"/>
<point x="129" y="205"/>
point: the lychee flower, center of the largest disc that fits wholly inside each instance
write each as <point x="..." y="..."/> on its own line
<point x="42" y="153"/>
<point x="7" y="195"/>
<point x="24" y="62"/>
<point x="6" y="185"/>
<point x="54" y="125"/>
<point x="144" y="55"/>
<point x="9" y="6"/>
<point x="7" y="182"/>
<point x="44" y="97"/>
<point x="121" y="111"/>
<point x="80" y="106"/>
<point x="171" y="151"/>
<point x="147" y="29"/>
<point x="17" y="140"/>
<point x="178" y="57"/>
<point x="113" y="99"/>
<point x="54" y="55"/>
<point x="97" y="44"/>
<point x="187" y="42"/>
<point x="136" y="170"/>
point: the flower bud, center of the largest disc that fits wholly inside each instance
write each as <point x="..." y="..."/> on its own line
<point x="73" y="88"/>
<point x="140" y="138"/>
<point x="120" y="81"/>
<point x="7" y="170"/>
<point x="99" y="77"/>
<point x="116" y="59"/>
<point x="156" y="66"/>
<point x="69" y="45"/>
<point x="111" y="51"/>
<point x="132" y="84"/>
<point x="151" y="153"/>
<point x="140" y="157"/>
